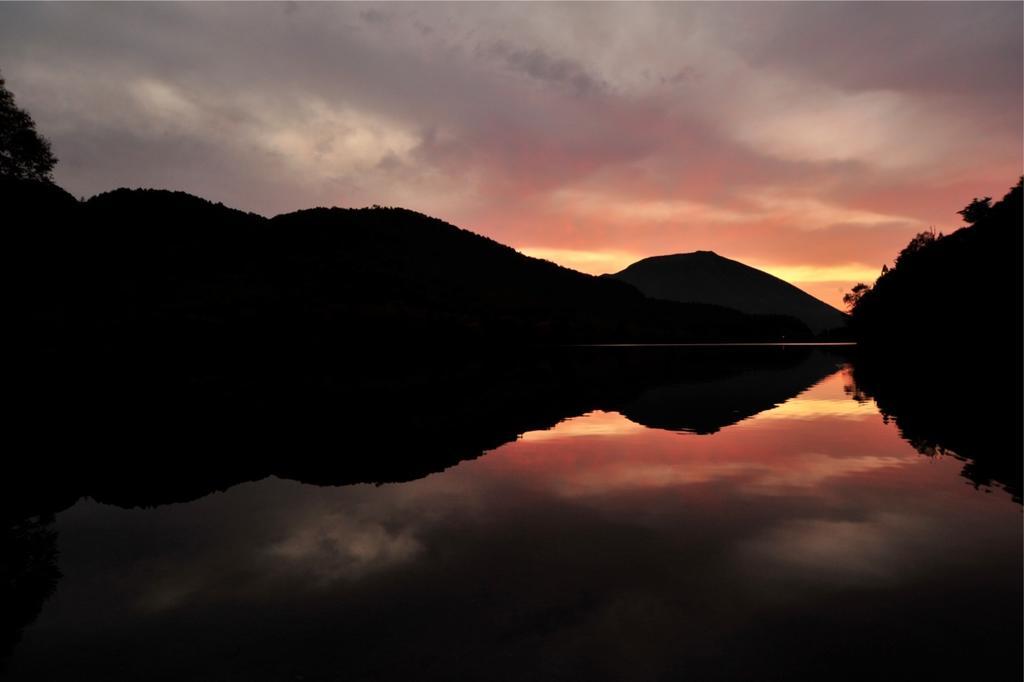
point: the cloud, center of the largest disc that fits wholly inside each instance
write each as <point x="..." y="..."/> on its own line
<point x="540" y="65"/>
<point x="797" y="136"/>
<point x="374" y="16"/>
<point x="971" y="48"/>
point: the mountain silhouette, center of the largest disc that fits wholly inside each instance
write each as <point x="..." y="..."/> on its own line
<point x="706" y="277"/>
<point x="160" y="272"/>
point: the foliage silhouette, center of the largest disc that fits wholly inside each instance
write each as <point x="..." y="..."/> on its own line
<point x="940" y="338"/>
<point x="977" y="210"/>
<point x="920" y="242"/>
<point x="962" y="409"/>
<point x="852" y="298"/>
<point x="951" y="295"/>
<point x="24" y="153"/>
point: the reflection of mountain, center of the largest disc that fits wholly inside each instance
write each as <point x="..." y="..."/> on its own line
<point x="28" y="575"/>
<point x="971" y="411"/>
<point x="374" y="419"/>
<point x="707" y="406"/>
<point x="384" y="419"/>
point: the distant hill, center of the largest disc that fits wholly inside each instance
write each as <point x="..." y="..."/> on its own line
<point x="706" y="277"/>
<point x="152" y="271"/>
<point x="382" y="260"/>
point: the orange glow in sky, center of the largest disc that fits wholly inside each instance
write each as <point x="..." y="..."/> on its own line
<point x="800" y="139"/>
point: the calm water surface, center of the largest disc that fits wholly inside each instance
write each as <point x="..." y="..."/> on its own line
<point x="808" y="541"/>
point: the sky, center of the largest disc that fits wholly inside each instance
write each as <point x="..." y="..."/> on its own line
<point x="811" y="140"/>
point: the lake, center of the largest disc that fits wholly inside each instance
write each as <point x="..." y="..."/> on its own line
<point x="754" y="518"/>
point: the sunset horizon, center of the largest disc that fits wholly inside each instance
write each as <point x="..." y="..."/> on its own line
<point x="589" y="135"/>
<point x="513" y="341"/>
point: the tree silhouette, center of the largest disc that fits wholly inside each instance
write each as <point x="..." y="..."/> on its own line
<point x="24" y="153"/>
<point x="919" y="243"/>
<point x="963" y="289"/>
<point x="976" y="210"/>
<point x="852" y="298"/>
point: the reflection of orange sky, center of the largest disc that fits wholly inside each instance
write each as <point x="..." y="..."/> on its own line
<point x="804" y="446"/>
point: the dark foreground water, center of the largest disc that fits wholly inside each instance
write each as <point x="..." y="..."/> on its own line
<point x="690" y="533"/>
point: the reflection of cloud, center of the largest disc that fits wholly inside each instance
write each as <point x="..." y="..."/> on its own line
<point x="335" y="546"/>
<point x="840" y="550"/>
<point x="810" y="469"/>
<point x="646" y="475"/>
<point x="804" y="471"/>
<point x="170" y="592"/>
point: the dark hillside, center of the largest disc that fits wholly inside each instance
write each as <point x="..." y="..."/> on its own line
<point x="159" y="271"/>
<point x="706" y="277"/>
<point x="953" y="294"/>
